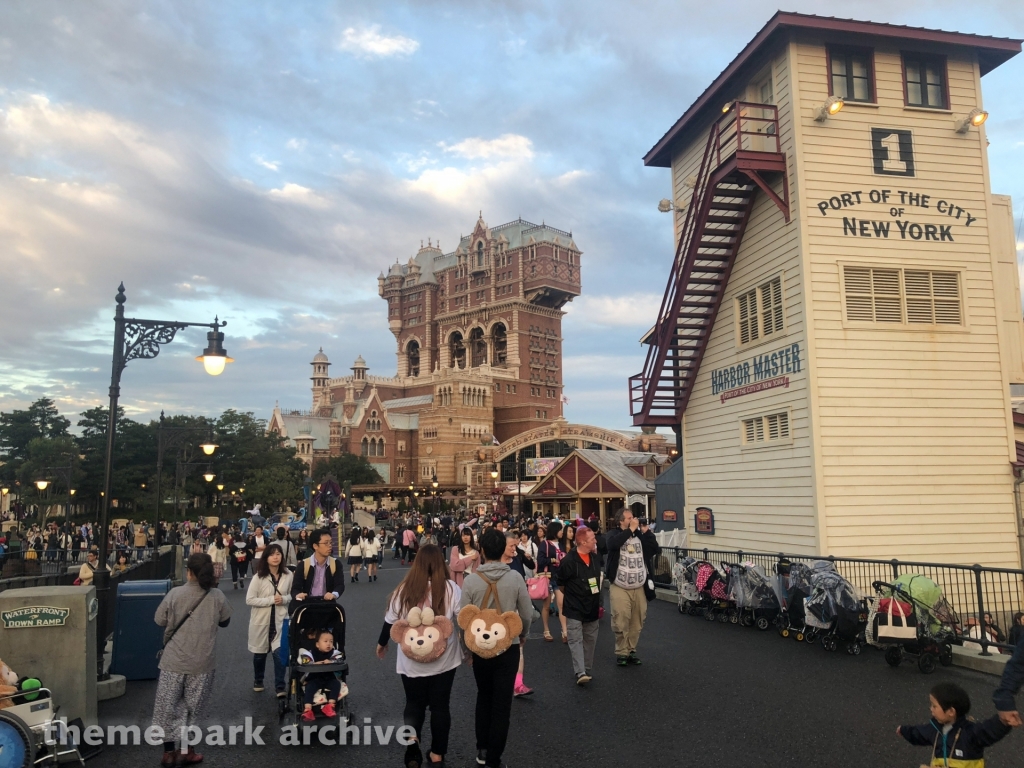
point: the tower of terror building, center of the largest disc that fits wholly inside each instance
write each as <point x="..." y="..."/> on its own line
<point x="478" y="335"/>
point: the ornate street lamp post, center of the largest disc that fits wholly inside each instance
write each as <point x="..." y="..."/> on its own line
<point x="137" y="339"/>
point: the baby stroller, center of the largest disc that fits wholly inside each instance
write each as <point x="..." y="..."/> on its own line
<point x="756" y="601"/>
<point x="313" y="614"/>
<point x="685" y="572"/>
<point x="835" y="610"/>
<point x="713" y="588"/>
<point x="795" y="581"/>
<point x="911" y="616"/>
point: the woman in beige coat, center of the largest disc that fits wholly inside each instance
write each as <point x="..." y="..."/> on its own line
<point x="269" y="594"/>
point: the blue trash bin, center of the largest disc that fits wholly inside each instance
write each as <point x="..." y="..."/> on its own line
<point x="137" y="638"/>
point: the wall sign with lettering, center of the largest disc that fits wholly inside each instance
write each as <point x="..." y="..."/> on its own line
<point x="896" y="203"/>
<point x="35" y="616"/>
<point x="762" y="372"/>
<point x="892" y="151"/>
<point x="704" y="521"/>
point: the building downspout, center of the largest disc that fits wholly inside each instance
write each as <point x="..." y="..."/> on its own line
<point x="1019" y="473"/>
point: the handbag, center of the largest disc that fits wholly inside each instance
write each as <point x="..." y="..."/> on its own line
<point x="895" y="621"/>
<point x="539" y="587"/>
<point x="173" y="632"/>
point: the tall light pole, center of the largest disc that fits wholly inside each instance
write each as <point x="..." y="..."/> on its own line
<point x="173" y="437"/>
<point x="137" y="339"/>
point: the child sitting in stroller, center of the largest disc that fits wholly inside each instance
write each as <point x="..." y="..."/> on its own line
<point x="323" y="652"/>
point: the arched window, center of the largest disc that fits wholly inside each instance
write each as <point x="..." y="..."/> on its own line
<point x="500" y="336"/>
<point x="457" y="350"/>
<point x="480" y="254"/>
<point x="380" y="447"/>
<point x="477" y="347"/>
<point x="413" y="357"/>
<point x="365" y="447"/>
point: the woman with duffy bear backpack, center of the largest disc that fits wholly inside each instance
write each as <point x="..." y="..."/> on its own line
<point x="421" y="618"/>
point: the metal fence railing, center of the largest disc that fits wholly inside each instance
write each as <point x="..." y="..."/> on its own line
<point x="971" y="590"/>
<point x="33" y="569"/>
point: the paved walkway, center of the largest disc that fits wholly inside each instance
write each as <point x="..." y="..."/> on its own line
<point x="707" y="694"/>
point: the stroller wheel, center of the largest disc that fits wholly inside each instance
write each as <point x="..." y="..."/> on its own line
<point x="894" y="655"/>
<point x="692" y="610"/>
<point x="946" y="654"/>
<point x="810" y="636"/>
<point x="799" y="637"/>
<point x="724" y="618"/>
<point x="735" y="618"/>
<point x="784" y="631"/>
<point x="853" y="648"/>
<point x="709" y="614"/>
<point x="926" y="662"/>
<point x="828" y="642"/>
<point x="763" y="623"/>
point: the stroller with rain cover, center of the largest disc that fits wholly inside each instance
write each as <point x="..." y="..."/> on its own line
<point x="756" y="601"/>
<point x="687" y="597"/>
<point x="835" y="610"/>
<point x="311" y="615"/>
<point x="713" y="591"/>
<point x="798" y="585"/>
<point x="916" y="605"/>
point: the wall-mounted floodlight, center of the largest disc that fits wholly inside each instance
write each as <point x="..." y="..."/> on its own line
<point x="830" y="108"/>
<point x="975" y="118"/>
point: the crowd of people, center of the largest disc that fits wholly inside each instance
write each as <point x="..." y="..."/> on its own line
<point x="523" y="570"/>
<point x="517" y="569"/>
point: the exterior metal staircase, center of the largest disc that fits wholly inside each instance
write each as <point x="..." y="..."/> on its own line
<point x="742" y="154"/>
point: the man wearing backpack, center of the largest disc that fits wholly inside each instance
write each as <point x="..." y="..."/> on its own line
<point x="320" y="575"/>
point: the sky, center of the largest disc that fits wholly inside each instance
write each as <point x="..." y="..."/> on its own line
<point x="264" y="161"/>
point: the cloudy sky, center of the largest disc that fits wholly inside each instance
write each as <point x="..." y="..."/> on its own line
<point x="265" y="160"/>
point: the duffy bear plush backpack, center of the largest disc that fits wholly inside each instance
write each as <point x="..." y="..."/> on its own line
<point x="423" y="637"/>
<point x="489" y="632"/>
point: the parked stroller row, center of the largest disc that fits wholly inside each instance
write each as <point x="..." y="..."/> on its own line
<point x="812" y="601"/>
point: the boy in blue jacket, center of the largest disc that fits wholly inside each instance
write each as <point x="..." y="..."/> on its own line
<point x="956" y="741"/>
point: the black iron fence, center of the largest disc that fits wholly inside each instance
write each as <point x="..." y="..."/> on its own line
<point x="33" y="569"/>
<point x="973" y="591"/>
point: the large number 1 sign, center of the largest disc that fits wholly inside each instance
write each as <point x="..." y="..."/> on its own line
<point x="892" y="151"/>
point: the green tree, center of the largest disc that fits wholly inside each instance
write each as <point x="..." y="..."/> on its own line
<point x="346" y="468"/>
<point x="258" y="460"/>
<point x="275" y="486"/>
<point x="134" y="459"/>
<point x="19" y="428"/>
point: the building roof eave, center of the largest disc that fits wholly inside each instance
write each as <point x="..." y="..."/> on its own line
<point x="992" y="51"/>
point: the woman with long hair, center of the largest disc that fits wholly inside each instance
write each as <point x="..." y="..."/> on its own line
<point x="427" y="584"/>
<point x="269" y="594"/>
<point x="567" y="539"/>
<point x="371" y="549"/>
<point x="302" y="546"/>
<point x="220" y="543"/>
<point x="354" y="552"/>
<point x="465" y="556"/>
<point x="190" y="615"/>
<point x="549" y="556"/>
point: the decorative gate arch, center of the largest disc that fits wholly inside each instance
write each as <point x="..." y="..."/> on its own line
<point x="561" y="430"/>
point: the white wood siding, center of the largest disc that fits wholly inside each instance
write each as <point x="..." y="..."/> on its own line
<point x="914" y="441"/>
<point x="762" y="497"/>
